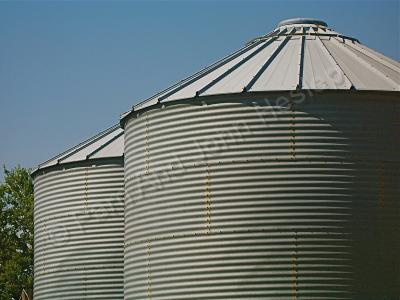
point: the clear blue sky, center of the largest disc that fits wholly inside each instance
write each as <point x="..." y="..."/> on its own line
<point x="68" y="69"/>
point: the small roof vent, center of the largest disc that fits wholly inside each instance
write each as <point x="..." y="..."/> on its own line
<point x="302" y="21"/>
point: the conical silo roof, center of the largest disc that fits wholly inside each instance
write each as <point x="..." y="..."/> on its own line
<point x="104" y="145"/>
<point x="300" y="54"/>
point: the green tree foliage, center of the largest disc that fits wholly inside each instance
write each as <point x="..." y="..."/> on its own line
<point x="16" y="233"/>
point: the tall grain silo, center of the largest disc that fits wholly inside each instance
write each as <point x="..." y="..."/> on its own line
<point x="79" y="221"/>
<point x="271" y="174"/>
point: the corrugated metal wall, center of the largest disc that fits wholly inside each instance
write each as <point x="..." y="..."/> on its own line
<point x="79" y="232"/>
<point x="254" y="199"/>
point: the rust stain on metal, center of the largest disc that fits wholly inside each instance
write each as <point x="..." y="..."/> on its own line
<point x="86" y="191"/>
<point x="294" y="270"/>
<point x="208" y="200"/>
<point x="148" y="249"/>
<point x="147" y="164"/>
<point x="382" y="185"/>
<point x="293" y="132"/>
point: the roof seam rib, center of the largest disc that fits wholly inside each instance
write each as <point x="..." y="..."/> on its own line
<point x="266" y="64"/>
<point x="366" y="63"/>
<point x="301" y="66"/>
<point x="95" y="139"/>
<point x="218" y="63"/>
<point x="208" y="71"/>
<point x="374" y="57"/>
<point x="104" y="145"/>
<point x="263" y="37"/>
<point x="394" y="68"/>
<point x="380" y="55"/>
<point x="230" y="70"/>
<point x="81" y="145"/>
<point x="336" y="63"/>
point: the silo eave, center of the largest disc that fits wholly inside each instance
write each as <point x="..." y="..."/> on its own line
<point x="106" y="145"/>
<point x="273" y="93"/>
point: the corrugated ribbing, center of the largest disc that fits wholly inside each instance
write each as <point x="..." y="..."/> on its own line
<point x="79" y="233"/>
<point x="259" y="200"/>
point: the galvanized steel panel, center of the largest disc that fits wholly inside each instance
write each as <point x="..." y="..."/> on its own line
<point x="106" y="144"/>
<point x="391" y="72"/>
<point x="315" y="57"/>
<point x="361" y="73"/>
<point x="191" y="90"/>
<point x="79" y="232"/>
<point x="393" y="63"/>
<point x="283" y="72"/>
<point x="111" y="149"/>
<point x="94" y="146"/>
<point x="253" y="199"/>
<point x="320" y="70"/>
<point x="238" y="79"/>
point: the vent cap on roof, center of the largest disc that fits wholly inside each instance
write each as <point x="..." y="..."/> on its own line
<point x="302" y="21"/>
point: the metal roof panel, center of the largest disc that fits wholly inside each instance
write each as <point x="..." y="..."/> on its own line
<point x="238" y="79"/>
<point x="107" y="144"/>
<point x="295" y="55"/>
<point x="362" y="74"/>
<point x="320" y="69"/>
<point x="283" y="72"/>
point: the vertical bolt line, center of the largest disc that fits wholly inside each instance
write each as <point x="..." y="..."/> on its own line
<point x="86" y="191"/>
<point x="43" y="248"/>
<point x="148" y="250"/>
<point x="382" y="185"/>
<point x="84" y="282"/>
<point x="293" y="132"/>
<point x="208" y="200"/>
<point x="147" y="146"/>
<point x="381" y="211"/>
<point x="294" y="270"/>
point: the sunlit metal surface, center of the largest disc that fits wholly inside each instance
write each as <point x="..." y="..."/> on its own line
<point x="79" y="221"/>
<point x="249" y="198"/>
<point x="300" y="54"/>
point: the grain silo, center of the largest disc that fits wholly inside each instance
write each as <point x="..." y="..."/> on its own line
<point x="271" y="174"/>
<point x="79" y="221"/>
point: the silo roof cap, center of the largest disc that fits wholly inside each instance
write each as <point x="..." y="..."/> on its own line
<point x="302" y="21"/>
